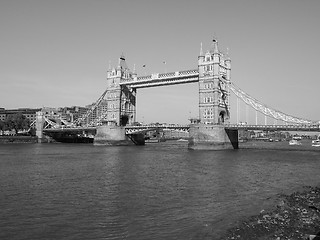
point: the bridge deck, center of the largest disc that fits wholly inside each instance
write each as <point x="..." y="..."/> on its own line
<point x="136" y="129"/>
<point x="302" y="128"/>
<point x="69" y="129"/>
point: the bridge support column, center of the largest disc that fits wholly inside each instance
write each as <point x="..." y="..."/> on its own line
<point x="212" y="137"/>
<point x="39" y="126"/>
<point x="110" y="134"/>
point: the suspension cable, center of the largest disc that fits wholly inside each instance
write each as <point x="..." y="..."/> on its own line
<point x="264" y="109"/>
<point x="93" y="107"/>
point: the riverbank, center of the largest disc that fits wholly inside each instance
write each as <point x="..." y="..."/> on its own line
<point x="18" y="139"/>
<point x="305" y="145"/>
<point x="296" y="216"/>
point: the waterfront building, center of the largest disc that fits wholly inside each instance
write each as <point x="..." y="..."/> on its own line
<point x="71" y="114"/>
<point x="29" y="113"/>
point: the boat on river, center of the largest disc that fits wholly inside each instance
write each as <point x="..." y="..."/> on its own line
<point x="294" y="142"/>
<point x="182" y="140"/>
<point x="74" y="139"/>
<point x="316" y="143"/>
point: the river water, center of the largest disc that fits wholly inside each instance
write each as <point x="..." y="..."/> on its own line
<point x="157" y="191"/>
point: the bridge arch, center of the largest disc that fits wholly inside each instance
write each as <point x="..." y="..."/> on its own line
<point x="124" y="119"/>
<point x="223" y="117"/>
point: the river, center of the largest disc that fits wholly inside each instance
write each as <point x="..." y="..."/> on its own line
<point x="156" y="191"/>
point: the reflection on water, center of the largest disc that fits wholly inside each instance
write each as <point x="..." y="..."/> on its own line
<point x="157" y="191"/>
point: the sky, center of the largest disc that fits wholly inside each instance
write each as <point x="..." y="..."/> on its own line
<point x="55" y="53"/>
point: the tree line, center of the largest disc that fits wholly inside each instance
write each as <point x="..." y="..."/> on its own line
<point x="17" y="122"/>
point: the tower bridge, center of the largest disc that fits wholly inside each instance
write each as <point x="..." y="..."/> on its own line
<point x="115" y="125"/>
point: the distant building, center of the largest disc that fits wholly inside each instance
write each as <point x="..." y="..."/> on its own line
<point x="3" y="114"/>
<point x="50" y="111"/>
<point x="29" y="113"/>
<point x="71" y="114"/>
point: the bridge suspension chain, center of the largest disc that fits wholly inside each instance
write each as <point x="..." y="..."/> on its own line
<point x="90" y="111"/>
<point x="267" y="111"/>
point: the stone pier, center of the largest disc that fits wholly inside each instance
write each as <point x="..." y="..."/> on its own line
<point x="39" y="126"/>
<point x="111" y="134"/>
<point x="212" y="137"/>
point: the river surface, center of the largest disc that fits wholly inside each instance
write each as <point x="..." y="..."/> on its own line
<point x="157" y="191"/>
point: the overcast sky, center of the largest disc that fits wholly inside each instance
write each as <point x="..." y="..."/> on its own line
<point x="56" y="53"/>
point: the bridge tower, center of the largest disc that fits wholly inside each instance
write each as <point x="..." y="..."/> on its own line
<point x="121" y="100"/>
<point x="214" y="76"/>
<point x="121" y="108"/>
<point x="214" y="106"/>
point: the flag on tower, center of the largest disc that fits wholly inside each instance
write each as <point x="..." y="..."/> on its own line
<point x="143" y="65"/>
<point x="165" y="67"/>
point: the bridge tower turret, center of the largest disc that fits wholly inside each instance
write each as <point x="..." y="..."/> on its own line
<point x="214" y="74"/>
<point x="121" y="99"/>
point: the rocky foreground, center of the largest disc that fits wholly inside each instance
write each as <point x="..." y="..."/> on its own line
<point x="297" y="216"/>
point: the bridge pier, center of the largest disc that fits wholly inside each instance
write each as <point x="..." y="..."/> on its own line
<point x="113" y="135"/>
<point x="39" y="126"/>
<point x="212" y="137"/>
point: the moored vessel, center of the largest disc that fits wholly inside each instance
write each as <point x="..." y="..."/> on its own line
<point x="294" y="142"/>
<point x="316" y="143"/>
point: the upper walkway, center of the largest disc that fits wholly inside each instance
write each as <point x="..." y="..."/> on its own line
<point x="162" y="79"/>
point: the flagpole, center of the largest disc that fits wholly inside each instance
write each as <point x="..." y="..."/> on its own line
<point x="145" y="72"/>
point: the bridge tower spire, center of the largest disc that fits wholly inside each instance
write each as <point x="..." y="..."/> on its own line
<point x="214" y="75"/>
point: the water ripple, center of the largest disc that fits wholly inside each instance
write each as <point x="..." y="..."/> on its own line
<point x="159" y="191"/>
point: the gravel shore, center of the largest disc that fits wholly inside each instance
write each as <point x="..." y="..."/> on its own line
<point x="296" y="216"/>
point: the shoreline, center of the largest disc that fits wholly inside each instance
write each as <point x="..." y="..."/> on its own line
<point x="296" y="216"/>
<point x="283" y="145"/>
<point x="18" y="139"/>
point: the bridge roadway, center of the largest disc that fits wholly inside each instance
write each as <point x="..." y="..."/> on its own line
<point x="300" y="128"/>
<point x="129" y="129"/>
<point x="146" y="128"/>
<point x="70" y="130"/>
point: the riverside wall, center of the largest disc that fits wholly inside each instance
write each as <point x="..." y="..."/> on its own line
<point x="18" y="139"/>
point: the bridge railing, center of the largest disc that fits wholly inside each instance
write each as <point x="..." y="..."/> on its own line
<point x="158" y="126"/>
<point x="184" y="73"/>
<point x="151" y="127"/>
<point x="144" y="78"/>
<point x="291" y="127"/>
<point x="189" y="72"/>
<point x="167" y="75"/>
